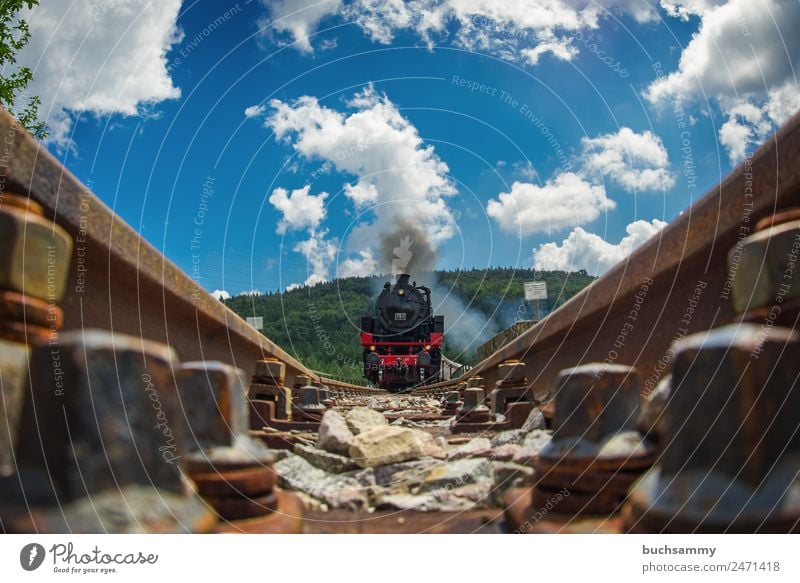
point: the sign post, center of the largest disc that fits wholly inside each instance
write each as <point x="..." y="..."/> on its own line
<point x="535" y="291"/>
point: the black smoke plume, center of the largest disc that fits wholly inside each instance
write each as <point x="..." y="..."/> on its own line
<point x="406" y="249"/>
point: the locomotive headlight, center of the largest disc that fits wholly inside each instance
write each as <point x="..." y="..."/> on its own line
<point x="401" y="292"/>
<point x="372" y="348"/>
<point x="427" y="347"/>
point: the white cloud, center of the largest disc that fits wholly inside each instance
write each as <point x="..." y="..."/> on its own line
<point x="684" y="9"/>
<point x="292" y="286"/>
<point x="303" y="210"/>
<point x="394" y="169"/>
<point x="560" y="48"/>
<point x="524" y="169"/>
<point x="319" y="254"/>
<point x="742" y="47"/>
<point x="254" y="111"/>
<point x="251" y="292"/>
<point x="751" y="121"/>
<point x="743" y="55"/>
<point x="643" y="11"/>
<point x="516" y="30"/>
<point x="101" y="61"/>
<point x="300" y="209"/>
<point x="362" y="193"/>
<point x="220" y="294"/>
<point x="582" y="250"/>
<point x="298" y="18"/>
<point x="634" y="161"/>
<point x="563" y="201"/>
<point x="361" y="267"/>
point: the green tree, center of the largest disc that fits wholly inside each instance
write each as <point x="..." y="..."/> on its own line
<point x="14" y="35"/>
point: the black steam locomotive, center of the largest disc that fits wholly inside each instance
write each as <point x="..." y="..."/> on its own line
<point x="403" y="342"/>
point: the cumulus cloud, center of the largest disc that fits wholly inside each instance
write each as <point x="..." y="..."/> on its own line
<point x="300" y="208"/>
<point x="362" y="193"/>
<point x="634" y="161"/>
<point x="582" y="250"/>
<point x="394" y="169"/>
<point x="106" y="60"/>
<point x="684" y="9"/>
<point x="319" y="253"/>
<point x="564" y="201"/>
<point x="362" y="266"/>
<point x="751" y="121"/>
<point x="394" y="173"/>
<point x="742" y="47"/>
<point x="220" y="294"/>
<point x="743" y="55"/>
<point x="297" y="18"/>
<point x="521" y="30"/>
<point x="254" y="111"/>
<point x="251" y="292"/>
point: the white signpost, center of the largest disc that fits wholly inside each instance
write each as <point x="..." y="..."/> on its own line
<point x="535" y="291"/>
<point x="256" y="322"/>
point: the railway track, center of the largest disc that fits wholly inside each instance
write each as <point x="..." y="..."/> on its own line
<point x="597" y="419"/>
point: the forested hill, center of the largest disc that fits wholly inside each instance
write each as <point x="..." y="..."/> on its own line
<point x="319" y="324"/>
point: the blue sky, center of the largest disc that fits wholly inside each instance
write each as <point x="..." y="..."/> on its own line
<point x="562" y="140"/>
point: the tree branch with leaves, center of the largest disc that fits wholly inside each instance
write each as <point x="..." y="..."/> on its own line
<point x="14" y="35"/>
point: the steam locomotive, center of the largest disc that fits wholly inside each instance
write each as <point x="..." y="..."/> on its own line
<point x="403" y="342"/>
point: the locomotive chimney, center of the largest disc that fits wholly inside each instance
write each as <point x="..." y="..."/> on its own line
<point x="403" y="278"/>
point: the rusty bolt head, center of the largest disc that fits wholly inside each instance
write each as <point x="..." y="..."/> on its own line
<point x="214" y="398"/>
<point x="734" y="403"/>
<point x="35" y="254"/>
<point x="309" y="398"/>
<point x="452" y="397"/>
<point x="475" y="382"/>
<point x="767" y="267"/>
<point x="303" y="380"/>
<point x="511" y="371"/>
<point x="595" y="401"/>
<point x="102" y="412"/>
<point x="473" y="401"/>
<point x="651" y="417"/>
<point x="271" y="370"/>
<point x="14" y="357"/>
<point x="324" y="393"/>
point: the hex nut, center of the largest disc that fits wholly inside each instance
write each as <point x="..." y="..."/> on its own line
<point x="271" y="370"/>
<point x="766" y="267"/>
<point x="511" y="371"/>
<point x="214" y="399"/>
<point x="102" y="413"/>
<point x="595" y="401"/>
<point x="474" y="382"/>
<point x="734" y="402"/>
<point x="36" y="255"/>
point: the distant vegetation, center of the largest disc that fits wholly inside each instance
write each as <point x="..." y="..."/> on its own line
<point x="319" y="324"/>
